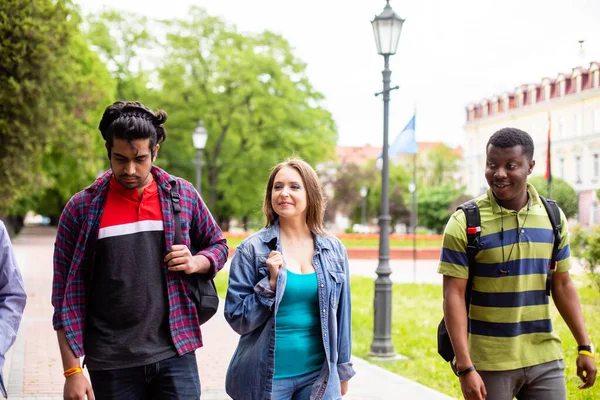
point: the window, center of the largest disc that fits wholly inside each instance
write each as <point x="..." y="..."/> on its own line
<point x="561" y="168"/>
<point x="596" y="167"/>
<point x="594" y="213"/>
<point x="578" y="169"/>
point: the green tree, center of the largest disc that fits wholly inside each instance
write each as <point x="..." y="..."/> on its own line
<point x="122" y="41"/>
<point x="585" y="245"/>
<point x="257" y="103"/>
<point x="562" y="192"/>
<point x="437" y="166"/>
<point x="34" y="82"/>
<point x="351" y="177"/>
<point x="434" y="205"/>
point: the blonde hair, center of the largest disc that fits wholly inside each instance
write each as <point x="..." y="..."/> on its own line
<point x="315" y="200"/>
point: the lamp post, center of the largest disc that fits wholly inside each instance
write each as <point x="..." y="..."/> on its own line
<point x="363" y="194"/>
<point x="200" y="136"/>
<point x="386" y="28"/>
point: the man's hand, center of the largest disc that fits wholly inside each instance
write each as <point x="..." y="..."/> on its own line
<point x="472" y="386"/>
<point x="77" y="387"/>
<point x="344" y="387"/>
<point x="586" y="370"/>
<point x="181" y="259"/>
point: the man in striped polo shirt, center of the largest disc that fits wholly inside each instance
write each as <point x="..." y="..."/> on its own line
<point x="505" y="347"/>
<point x="120" y="292"/>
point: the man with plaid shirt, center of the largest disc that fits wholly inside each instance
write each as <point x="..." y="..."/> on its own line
<point x="119" y="291"/>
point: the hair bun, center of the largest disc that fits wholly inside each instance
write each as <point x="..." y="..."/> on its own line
<point x="160" y="117"/>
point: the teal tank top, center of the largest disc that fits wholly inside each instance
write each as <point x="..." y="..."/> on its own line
<point x="298" y="343"/>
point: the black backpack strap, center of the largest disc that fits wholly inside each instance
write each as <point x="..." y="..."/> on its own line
<point x="554" y="214"/>
<point x="473" y="241"/>
<point x="176" y="211"/>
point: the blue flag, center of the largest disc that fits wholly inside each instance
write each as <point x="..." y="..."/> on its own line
<point x="405" y="142"/>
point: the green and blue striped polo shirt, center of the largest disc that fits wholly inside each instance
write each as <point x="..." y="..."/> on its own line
<point x="510" y="323"/>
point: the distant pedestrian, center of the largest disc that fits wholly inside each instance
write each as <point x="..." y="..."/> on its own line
<point x="12" y="299"/>
<point x="120" y="292"/>
<point x="289" y="298"/>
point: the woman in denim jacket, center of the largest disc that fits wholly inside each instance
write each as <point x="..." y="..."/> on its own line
<point x="289" y="298"/>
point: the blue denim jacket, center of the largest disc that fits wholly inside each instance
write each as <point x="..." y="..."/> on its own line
<point x="251" y="308"/>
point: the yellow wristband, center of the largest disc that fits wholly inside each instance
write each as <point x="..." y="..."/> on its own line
<point x="586" y="353"/>
<point x="72" y="371"/>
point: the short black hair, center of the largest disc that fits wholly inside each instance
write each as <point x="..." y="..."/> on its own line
<point x="511" y="137"/>
<point x="131" y="120"/>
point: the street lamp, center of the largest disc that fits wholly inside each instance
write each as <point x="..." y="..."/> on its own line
<point x="363" y="194"/>
<point x="200" y="136"/>
<point x="386" y="28"/>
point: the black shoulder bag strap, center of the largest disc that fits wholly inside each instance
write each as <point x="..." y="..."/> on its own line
<point x="473" y="242"/>
<point x="554" y="214"/>
<point x="176" y="211"/>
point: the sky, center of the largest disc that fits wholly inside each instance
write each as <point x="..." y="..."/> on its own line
<point x="450" y="54"/>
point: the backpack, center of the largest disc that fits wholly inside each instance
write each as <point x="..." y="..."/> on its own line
<point x="204" y="291"/>
<point x="471" y="211"/>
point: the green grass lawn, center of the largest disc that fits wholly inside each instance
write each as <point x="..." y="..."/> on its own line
<point x="233" y="242"/>
<point x="416" y="312"/>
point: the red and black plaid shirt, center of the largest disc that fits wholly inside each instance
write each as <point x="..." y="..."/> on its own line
<point x="75" y="244"/>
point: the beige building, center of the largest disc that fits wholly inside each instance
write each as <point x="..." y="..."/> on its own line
<point x="570" y="103"/>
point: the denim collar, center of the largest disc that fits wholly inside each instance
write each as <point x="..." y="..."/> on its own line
<point x="272" y="232"/>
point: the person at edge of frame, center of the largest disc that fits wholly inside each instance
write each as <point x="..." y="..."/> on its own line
<point x="511" y="349"/>
<point x="120" y="292"/>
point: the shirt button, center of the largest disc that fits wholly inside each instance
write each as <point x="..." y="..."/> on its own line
<point x="322" y="285"/>
<point x="324" y="310"/>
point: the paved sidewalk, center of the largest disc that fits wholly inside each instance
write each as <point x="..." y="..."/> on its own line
<point x="34" y="371"/>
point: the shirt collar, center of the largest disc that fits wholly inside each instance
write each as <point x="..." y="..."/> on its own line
<point x="132" y="193"/>
<point x="534" y="199"/>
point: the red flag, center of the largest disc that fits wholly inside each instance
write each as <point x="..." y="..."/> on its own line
<point x="548" y="156"/>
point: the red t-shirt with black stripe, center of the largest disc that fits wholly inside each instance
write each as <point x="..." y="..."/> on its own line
<point x="128" y="315"/>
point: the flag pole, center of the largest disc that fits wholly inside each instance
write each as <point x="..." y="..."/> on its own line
<point x="414" y="202"/>
<point x="414" y="217"/>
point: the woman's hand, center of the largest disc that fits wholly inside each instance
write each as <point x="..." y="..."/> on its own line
<point x="344" y="386"/>
<point x="274" y="263"/>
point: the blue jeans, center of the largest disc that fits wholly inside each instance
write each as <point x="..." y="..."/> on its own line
<point x="294" y="388"/>
<point x="174" y="378"/>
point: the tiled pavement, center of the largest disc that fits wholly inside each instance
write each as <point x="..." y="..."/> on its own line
<point x="33" y="369"/>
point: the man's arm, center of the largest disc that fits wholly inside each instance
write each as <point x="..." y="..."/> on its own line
<point x="456" y="319"/>
<point x="12" y="297"/>
<point x="567" y="302"/>
<point x="207" y="238"/>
